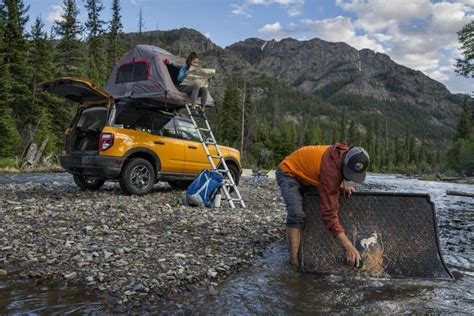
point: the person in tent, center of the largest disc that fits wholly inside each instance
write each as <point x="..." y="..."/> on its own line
<point x="324" y="167"/>
<point x="194" y="91"/>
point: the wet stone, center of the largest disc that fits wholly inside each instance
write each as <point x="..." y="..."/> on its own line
<point x="134" y="247"/>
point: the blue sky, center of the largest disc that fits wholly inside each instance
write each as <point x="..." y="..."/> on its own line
<point x="420" y="34"/>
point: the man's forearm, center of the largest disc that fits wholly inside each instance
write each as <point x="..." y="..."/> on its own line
<point x="344" y="240"/>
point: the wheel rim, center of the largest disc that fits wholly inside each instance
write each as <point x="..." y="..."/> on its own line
<point x="140" y="177"/>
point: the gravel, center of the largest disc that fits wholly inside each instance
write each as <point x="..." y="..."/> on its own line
<point x="134" y="248"/>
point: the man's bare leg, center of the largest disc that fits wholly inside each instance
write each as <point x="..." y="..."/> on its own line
<point x="293" y="235"/>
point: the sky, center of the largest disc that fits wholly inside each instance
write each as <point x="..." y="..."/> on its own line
<point x="420" y="34"/>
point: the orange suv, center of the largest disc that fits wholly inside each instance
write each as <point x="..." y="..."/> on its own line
<point x="132" y="141"/>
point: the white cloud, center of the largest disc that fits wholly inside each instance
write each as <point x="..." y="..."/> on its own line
<point x="294" y="7"/>
<point x="240" y="10"/>
<point x="441" y="74"/>
<point x="420" y="34"/>
<point x="134" y="2"/>
<point x="273" y="31"/>
<point x="207" y="35"/>
<point x="55" y="14"/>
<point x="341" y="29"/>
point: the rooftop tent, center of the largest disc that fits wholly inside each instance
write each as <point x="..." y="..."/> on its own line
<point x="149" y="72"/>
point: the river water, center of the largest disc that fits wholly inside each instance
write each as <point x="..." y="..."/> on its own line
<point x="270" y="286"/>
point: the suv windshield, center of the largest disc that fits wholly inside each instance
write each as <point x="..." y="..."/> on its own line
<point x="92" y="119"/>
<point x="146" y="120"/>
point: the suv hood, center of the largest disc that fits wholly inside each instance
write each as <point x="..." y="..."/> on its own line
<point x="77" y="90"/>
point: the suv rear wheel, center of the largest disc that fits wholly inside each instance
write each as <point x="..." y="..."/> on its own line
<point x="88" y="183"/>
<point x="138" y="177"/>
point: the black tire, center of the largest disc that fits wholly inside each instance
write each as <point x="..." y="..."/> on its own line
<point x="88" y="183"/>
<point x="179" y="184"/>
<point x="234" y="171"/>
<point x="137" y="177"/>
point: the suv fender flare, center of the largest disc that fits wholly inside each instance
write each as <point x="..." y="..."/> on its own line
<point x="143" y="150"/>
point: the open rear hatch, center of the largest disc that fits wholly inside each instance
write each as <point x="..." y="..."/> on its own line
<point x="92" y="115"/>
<point x="77" y="90"/>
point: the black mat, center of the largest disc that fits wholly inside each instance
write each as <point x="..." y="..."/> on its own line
<point x="404" y="223"/>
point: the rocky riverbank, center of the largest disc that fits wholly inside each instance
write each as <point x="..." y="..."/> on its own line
<point x="135" y="248"/>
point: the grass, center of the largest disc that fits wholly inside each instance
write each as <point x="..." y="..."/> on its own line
<point x="7" y="163"/>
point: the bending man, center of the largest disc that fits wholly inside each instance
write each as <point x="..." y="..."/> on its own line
<point x="324" y="167"/>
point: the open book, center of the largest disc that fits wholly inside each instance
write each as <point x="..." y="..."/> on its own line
<point x="198" y="76"/>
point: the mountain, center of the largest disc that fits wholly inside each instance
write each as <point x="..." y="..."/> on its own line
<point x="336" y="74"/>
<point x="338" y="69"/>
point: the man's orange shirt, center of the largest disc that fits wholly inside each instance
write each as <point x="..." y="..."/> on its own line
<point x="320" y="166"/>
<point x="305" y="164"/>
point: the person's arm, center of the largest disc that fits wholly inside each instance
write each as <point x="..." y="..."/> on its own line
<point x="329" y="201"/>
<point x="182" y="73"/>
<point x="330" y="181"/>
<point x="352" y="255"/>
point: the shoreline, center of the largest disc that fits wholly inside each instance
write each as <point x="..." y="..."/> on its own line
<point x="41" y="169"/>
<point x="138" y="249"/>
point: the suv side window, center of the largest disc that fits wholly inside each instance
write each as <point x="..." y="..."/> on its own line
<point x="132" y="118"/>
<point x="187" y="131"/>
<point x="164" y="126"/>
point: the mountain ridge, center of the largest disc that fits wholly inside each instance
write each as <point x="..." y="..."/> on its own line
<point x="329" y="70"/>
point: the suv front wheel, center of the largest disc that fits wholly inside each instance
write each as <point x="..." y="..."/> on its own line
<point x="88" y="183"/>
<point x="138" y="177"/>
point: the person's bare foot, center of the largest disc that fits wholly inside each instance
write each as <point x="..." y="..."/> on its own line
<point x="293" y="266"/>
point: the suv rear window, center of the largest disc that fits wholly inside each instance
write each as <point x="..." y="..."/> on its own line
<point x="133" y="71"/>
<point x="154" y="122"/>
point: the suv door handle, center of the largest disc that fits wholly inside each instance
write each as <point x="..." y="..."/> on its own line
<point x="192" y="147"/>
<point x="159" y="142"/>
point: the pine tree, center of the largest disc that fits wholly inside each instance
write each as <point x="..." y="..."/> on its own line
<point x="115" y="37"/>
<point x="230" y="127"/>
<point x="342" y="127"/>
<point x="96" y="70"/>
<point x="16" y="57"/>
<point x="464" y="127"/>
<point x="41" y="59"/>
<point x="465" y="65"/>
<point x="70" y="54"/>
<point x="9" y="137"/>
<point x="352" y="139"/>
<point x="141" y="25"/>
<point x="250" y="119"/>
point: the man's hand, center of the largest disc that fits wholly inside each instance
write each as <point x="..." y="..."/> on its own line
<point x="352" y="255"/>
<point x="347" y="191"/>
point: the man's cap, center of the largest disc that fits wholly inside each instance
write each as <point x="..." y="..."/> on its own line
<point x="355" y="165"/>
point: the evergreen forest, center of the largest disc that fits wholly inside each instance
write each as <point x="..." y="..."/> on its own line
<point x="263" y="117"/>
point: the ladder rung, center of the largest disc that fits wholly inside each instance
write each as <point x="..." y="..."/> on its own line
<point x="210" y="143"/>
<point x="222" y="170"/>
<point x="214" y="156"/>
<point x="204" y="129"/>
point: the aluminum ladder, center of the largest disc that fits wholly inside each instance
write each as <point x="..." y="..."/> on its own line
<point x="228" y="184"/>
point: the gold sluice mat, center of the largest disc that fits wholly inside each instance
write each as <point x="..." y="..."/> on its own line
<point x="396" y="234"/>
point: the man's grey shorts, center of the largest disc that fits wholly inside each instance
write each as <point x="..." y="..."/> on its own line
<point x="290" y="190"/>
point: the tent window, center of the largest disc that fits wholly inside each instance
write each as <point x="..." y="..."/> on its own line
<point x="134" y="71"/>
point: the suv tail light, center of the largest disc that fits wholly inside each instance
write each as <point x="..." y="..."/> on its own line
<point x="106" y="141"/>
